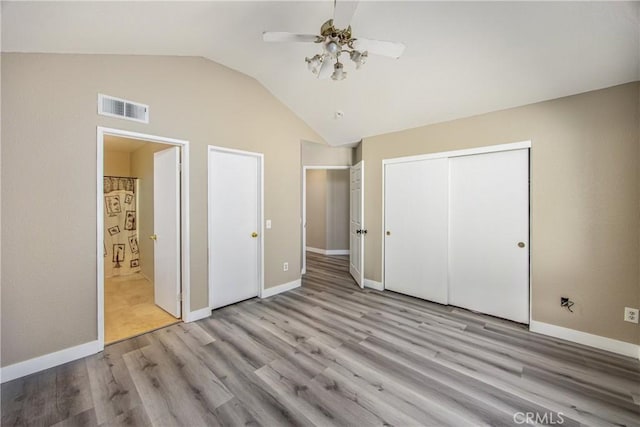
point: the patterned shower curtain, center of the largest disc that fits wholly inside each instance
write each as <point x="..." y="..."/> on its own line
<point x="122" y="256"/>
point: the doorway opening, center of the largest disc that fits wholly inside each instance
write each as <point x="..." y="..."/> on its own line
<point x="142" y="233"/>
<point x="325" y="212"/>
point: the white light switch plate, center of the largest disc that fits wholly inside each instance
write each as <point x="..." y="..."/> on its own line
<point x="268" y="224"/>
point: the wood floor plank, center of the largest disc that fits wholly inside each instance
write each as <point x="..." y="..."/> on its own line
<point x="134" y="417"/>
<point x="156" y="384"/>
<point x="234" y="413"/>
<point x="331" y="354"/>
<point x="112" y="388"/>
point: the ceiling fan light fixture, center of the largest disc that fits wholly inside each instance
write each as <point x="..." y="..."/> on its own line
<point x="338" y="72"/>
<point x="360" y="58"/>
<point x="332" y="47"/>
<point x="314" y="63"/>
<point x="335" y="39"/>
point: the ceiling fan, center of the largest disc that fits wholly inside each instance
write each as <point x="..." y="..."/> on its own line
<point x="336" y="39"/>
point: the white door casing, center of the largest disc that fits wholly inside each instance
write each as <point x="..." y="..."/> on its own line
<point x="357" y="231"/>
<point x="489" y="241"/>
<point x="416" y="222"/>
<point x="166" y="226"/>
<point x="235" y="233"/>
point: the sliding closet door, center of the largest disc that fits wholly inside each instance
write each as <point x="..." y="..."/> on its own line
<point x="489" y="234"/>
<point x="416" y="228"/>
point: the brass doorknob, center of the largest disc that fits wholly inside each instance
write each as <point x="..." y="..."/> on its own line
<point x="153" y="237"/>
<point x="388" y="233"/>
<point x="521" y="244"/>
<point x="254" y="234"/>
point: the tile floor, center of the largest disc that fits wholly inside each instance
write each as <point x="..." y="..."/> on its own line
<point x="129" y="309"/>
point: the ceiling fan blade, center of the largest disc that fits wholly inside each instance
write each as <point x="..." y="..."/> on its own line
<point x="326" y="69"/>
<point x="379" y="47"/>
<point x="343" y="12"/>
<point x="282" y="36"/>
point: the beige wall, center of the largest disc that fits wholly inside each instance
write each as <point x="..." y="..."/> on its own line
<point x="317" y="208"/>
<point x="585" y="193"/>
<point x="117" y="163"/>
<point x="337" y="209"/>
<point x="316" y="154"/>
<point x="142" y="168"/>
<point x="49" y="151"/>
<point x="357" y="153"/>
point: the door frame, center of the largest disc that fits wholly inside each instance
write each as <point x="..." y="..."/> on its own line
<point x="184" y="218"/>
<point x="260" y="158"/>
<point x="303" y="225"/>
<point x="458" y="153"/>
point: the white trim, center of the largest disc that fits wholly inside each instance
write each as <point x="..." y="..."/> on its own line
<point x="303" y="220"/>
<point x="274" y="290"/>
<point x="203" y="313"/>
<point x="50" y="360"/>
<point x="337" y="252"/>
<point x="184" y="214"/>
<point x="368" y="283"/>
<point x="597" y="341"/>
<point x="383" y="226"/>
<point x="459" y="153"/>
<point x="260" y="157"/>
<point x="327" y="167"/>
<point x="328" y="251"/>
<point x="315" y="250"/>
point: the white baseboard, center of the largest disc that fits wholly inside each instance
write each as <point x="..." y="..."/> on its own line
<point x="40" y="363"/>
<point x="314" y="250"/>
<point x="274" y="290"/>
<point x="203" y="313"/>
<point x="597" y="341"/>
<point x="328" y="251"/>
<point x="337" y="252"/>
<point x="368" y="283"/>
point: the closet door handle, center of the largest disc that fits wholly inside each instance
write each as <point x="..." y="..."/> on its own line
<point x="153" y="237"/>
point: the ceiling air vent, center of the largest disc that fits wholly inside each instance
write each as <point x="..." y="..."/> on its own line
<point x="116" y="107"/>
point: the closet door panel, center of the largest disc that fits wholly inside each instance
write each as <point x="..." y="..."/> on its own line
<point x="416" y="202"/>
<point x="489" y="234"/>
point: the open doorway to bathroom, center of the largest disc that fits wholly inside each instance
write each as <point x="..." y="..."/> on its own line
<point x="141" y="216"/>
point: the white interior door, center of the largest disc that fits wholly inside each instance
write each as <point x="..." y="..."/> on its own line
<point x="489" y="256"/>
<point x="416" y="223"/>
<point x="234" y="227"/>
<point x="166" y="228"/>
<point x="356" y="223"/>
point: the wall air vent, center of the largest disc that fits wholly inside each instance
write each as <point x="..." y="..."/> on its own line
<point x="116" y="107"/>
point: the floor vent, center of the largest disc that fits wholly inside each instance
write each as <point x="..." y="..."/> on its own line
<point x="116" y="107"/>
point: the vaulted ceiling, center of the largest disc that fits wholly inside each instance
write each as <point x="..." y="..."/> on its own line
<point x="461" y="58"/>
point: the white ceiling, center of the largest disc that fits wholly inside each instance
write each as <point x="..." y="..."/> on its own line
<point x="462" y="58"/>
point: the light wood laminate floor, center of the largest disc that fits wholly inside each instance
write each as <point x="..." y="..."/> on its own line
<point x="327" y="354"/>
<point x="129" y="308"/>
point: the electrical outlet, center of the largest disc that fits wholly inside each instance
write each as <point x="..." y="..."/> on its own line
<point x="631" y="315"/>
<point x="285" y="266"/>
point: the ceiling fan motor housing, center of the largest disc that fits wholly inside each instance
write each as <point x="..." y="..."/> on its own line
<point x="341" y="36"/>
